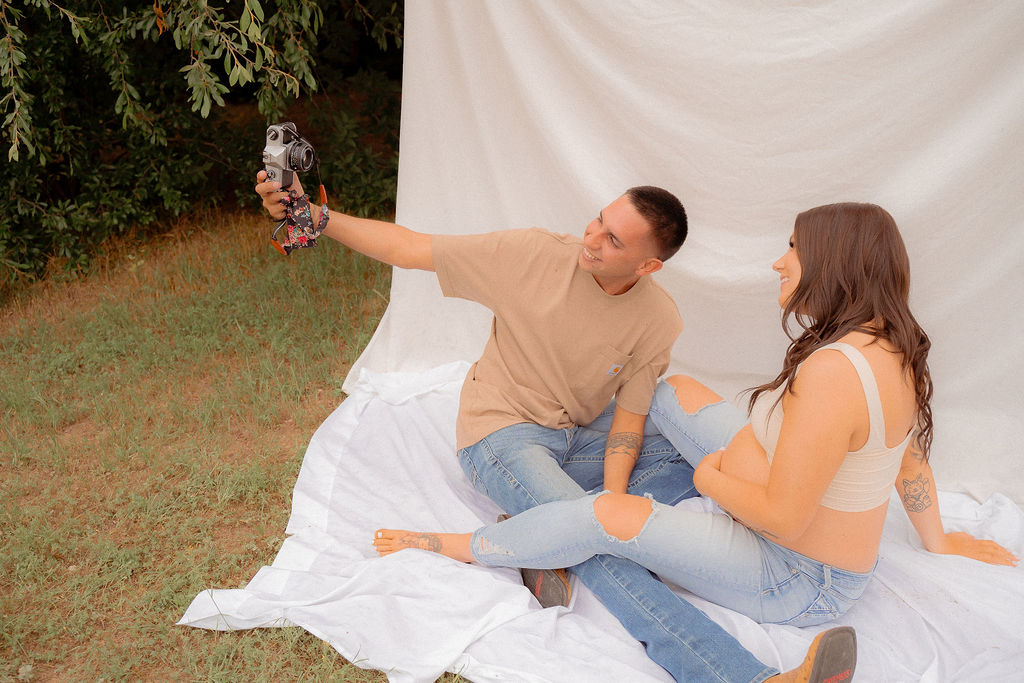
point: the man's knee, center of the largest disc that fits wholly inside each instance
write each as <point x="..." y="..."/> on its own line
<point x="691" y="394"/>
<point x="520" y="476"/>
<point x="622" y="515"/>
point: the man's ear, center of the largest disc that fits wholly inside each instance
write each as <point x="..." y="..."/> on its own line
<point x="649" y="267"/>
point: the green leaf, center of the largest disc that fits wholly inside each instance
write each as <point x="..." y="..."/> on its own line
<point x="256" y="8"/>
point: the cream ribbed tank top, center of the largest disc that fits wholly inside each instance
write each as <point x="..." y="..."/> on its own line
<point x="867" y="475"/>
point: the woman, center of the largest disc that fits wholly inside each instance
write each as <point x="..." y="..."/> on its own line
<point x="805" y="481"/>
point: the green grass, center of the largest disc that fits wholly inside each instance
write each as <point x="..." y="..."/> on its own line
<point x="154" y="417"/>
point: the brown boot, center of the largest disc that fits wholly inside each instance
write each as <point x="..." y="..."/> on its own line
<point x="831" y="658"/>
<point x="551" y="587"/>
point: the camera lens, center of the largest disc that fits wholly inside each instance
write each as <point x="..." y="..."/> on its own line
<point x="301" y="157"/>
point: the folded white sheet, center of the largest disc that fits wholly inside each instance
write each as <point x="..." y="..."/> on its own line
<point x="385" y="458"/>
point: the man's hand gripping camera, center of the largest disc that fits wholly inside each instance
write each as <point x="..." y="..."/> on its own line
<point x="285" y="153"/>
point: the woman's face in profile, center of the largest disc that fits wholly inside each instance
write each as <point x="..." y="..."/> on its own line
<point x="788" y="268"/>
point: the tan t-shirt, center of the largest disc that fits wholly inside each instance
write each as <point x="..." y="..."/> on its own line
<point x="560" y="346"/>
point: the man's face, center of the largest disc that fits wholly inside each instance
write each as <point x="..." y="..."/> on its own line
<point x="618" y="247"/>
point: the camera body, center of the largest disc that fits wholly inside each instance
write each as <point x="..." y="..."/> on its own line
<point x="286" y="152"/>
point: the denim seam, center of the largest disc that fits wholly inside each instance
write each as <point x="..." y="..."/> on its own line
<point x="506" y="473"/>
<point x="463" y="457"/>
<point x="816" y="610"/>
<point x="779" y="585"/>
<point x="765" y="673"/>
<point x="650" y="473"/>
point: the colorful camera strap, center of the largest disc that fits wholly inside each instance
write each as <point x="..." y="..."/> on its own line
<point x="300" y="231"/>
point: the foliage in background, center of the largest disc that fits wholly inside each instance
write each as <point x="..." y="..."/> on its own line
<point x="120" y="114"/>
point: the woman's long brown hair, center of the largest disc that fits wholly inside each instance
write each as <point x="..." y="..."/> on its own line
<point x="855" y="276"/>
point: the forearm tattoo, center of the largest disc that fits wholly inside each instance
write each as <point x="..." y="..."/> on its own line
<point x="915" y="494"/>
<point x="624" y="443"/>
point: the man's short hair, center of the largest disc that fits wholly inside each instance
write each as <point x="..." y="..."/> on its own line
<point x="665" y="214"/>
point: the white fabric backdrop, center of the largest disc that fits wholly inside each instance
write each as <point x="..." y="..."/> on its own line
<point x="540" y="113"/>
<point x="384" y="458"/>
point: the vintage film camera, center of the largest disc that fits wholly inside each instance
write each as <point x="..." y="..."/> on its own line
<point x="286" y="152"/>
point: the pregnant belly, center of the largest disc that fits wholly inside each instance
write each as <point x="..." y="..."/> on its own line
<point x="744" y="458"/>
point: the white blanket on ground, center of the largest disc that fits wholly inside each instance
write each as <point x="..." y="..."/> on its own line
<point x="385" y="458"/>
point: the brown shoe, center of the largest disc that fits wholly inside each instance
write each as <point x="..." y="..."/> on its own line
<point x="551" y="587"/>
<point x="831" y="658"/>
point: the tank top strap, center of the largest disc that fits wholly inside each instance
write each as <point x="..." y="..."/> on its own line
<point x="876" y="418"/>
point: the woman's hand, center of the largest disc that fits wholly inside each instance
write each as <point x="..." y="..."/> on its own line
<point x="960" y="543"/>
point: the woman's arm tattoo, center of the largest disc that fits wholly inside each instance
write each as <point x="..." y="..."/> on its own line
<point x="915" y="494"/>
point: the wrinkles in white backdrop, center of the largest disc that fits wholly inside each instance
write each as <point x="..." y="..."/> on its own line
<point x="523" y="113"/>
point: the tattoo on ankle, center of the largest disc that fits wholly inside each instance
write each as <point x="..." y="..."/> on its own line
<point x="429" y="542"/>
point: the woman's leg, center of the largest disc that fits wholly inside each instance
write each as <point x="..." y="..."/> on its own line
<point x="556" y="534"/>
<point x="455" y="546"/>
<point x="695" y="419"/>
<point x="724" y="564"/>
<point x="709" y="554"/>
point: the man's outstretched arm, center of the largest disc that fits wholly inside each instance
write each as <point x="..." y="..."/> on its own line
<point x="387" y="242"/>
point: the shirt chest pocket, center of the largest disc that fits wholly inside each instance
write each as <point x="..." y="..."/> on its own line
<point x="600" y="370"/>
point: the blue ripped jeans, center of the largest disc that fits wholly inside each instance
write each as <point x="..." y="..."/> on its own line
<point x="708" y="554"/>
<point x="525" y="465"/>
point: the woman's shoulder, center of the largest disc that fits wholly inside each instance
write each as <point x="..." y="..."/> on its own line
<point x="827" y="376"/>
<point x="829" y="367"/>
<point x="826" y="394"/>
<point x="844" y="370"/>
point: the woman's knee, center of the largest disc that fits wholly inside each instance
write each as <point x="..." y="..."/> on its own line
<point x="622" y="515"/>
<point x="691" y="394"/>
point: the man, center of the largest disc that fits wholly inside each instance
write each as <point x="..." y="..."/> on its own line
<point x="576" y="323"/>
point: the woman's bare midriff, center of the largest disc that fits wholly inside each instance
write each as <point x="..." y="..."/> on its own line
<point x="848" y="540"/>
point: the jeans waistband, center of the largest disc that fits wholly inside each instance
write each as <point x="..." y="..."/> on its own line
<point x="826" y="575"/>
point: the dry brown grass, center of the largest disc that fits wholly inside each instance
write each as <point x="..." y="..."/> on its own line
<point x="155" y="414"/>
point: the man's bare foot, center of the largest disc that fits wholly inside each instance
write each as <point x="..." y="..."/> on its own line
<point x="455" y="546"/>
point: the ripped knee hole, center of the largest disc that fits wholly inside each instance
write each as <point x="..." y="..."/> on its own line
<point x="622" y="515"/>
